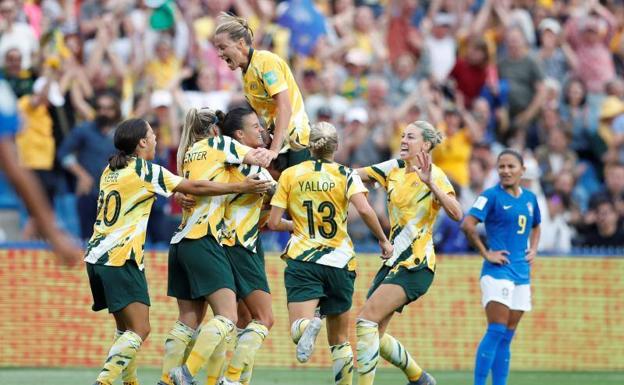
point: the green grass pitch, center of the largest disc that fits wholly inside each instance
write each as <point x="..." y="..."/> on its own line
<point x="271" y="376"/>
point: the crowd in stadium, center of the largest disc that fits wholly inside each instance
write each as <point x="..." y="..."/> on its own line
<point x="544" y="77"/>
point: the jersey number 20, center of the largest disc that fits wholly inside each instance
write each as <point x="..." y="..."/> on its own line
<point x="109" y="219"/>
<point x="328" y="210"/>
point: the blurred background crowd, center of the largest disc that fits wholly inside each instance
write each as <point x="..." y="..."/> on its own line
<point x="544" y="77"/>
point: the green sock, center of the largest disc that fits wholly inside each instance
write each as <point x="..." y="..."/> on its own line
<point x="247" y="345"/>
<point x="395" y="353"/>
<point x="342" y="359"/>
<point x="211" y="335"/>
<point x="176" y="342"/>
<point x="129" y="375"/>
<point x="120" y="355"/>
<point x="367" y="350"/>
<point x="297" y="328"/>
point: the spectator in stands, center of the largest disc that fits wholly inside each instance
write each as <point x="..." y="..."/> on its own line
<point x="85" y="152"/>
<point x="555" y="55"/>
<point x="614" y="189"/>
<point x="526" y="88"/>
<point x="589" y="36"/>
<point x="611" y="128"/>
<point x="327" y="97"/>
<point x="555" y="157"/>
<point x="608" y="230"/>
<point x="556" y="234"/>
<point x="35" y="141"/>
<point x="470" y="72"/>
<point x="477" y="172"/>
<point x="20" y="80"/>
<point x="577" y="114"/>
<point x="17" y="34"/>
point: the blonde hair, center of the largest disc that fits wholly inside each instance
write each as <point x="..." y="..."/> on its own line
<point x="197" y="126"/>
<point x="235" y="27"/>
<point x="323" y="140"/>
<point x="429" y="133"/>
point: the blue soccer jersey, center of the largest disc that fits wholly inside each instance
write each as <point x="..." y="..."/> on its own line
<point x="508" y="223"/>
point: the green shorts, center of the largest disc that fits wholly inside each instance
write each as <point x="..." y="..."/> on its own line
<point x="197" y="268"/>
<point x="415" y="283"/>
<point x="115" y="287"/>
<point x="332" y="286"/>
<point x="248" y="268"/>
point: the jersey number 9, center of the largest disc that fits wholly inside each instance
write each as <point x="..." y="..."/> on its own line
<point x="522" y="221"/>
<point x="328" y="210"/>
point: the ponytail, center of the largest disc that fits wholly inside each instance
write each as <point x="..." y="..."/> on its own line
<point x="235" y="27"/>
<point x="197" y="126"/>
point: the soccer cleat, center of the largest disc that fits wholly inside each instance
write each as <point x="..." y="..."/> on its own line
<point x="425" y="379"/>
<point x="181" y="376"/>
<point x="305" y="346"/>
<point x="225" y="381"/>
<point x="162" y="383"/>
<point x="135" y="382"/>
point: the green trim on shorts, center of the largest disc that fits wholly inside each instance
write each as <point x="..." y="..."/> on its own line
<point x="333" y="286"/>
<point x="415" y="283"/>
<point x="115" y="287"/>
<point x="198" y="268"/>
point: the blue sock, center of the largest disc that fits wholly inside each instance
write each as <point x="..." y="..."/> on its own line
<point x="500" y="366"/>
<point x="487" y="351"/>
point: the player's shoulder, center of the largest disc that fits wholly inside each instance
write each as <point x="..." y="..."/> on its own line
<point x="266" y="56"/>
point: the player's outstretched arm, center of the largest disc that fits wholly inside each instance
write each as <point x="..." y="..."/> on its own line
<point x="28" y="188"/>
<point x="206" y="187"/>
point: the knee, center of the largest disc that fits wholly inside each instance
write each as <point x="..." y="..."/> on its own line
<point x="369" y="313"/>
<point x="143" y="330"/>
<point x="266" y="319"/>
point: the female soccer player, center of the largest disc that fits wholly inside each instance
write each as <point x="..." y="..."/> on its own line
<point x="115" y="252"/>
<point x="241" y="241"/>
<point x="416" y="190"/>
<point x="512" y="225"/>
<point x="270" y="89"/>
<point x="199" y="270"/>
<point x="320" y="259"/>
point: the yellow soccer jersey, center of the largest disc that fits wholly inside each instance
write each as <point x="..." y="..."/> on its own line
<point x="316" y="194"/>
<point x="243" y="211"/>
<point x="267" y="75"/>
<point x="124" y="204"/>
<point x="412" y="209"/>
<point x="207" y="160"/>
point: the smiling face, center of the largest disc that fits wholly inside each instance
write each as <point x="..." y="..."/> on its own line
<point x="233" y="53"/>
<point x="510" y="170"/>
<point x="412" y="143"/>
<point x="252" y="133"/>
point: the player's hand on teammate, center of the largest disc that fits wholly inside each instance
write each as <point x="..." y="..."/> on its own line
<point x="423" y="167"/>
<point x="253" y="184"/>
<point x="530" y="255"/>
<point x="186" y="201"/>
<point x="498" y="257"/>
<point x="386" y="249"/>
<point x="261" y="156"/>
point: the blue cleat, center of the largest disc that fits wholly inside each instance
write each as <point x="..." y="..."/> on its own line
<point x="425" y="379"/>
<point x="181" y="376"/>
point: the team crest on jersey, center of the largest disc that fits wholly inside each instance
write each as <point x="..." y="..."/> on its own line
<point x="530" y="207"/>
<point x="253" y="86"/>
